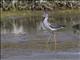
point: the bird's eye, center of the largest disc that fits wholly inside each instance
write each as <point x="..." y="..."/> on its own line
<point x="43" y="18"/>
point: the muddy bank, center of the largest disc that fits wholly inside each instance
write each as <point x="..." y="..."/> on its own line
<point x="37" y="5"/>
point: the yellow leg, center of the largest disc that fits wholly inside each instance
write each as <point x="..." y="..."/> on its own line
<point x="55" y="41"/>
<point x="49" y="39"/>
<point x="48" y="42"/>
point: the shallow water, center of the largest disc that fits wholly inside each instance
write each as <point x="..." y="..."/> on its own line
<point x="25" y="54"/>
<point x="24" y="30"/>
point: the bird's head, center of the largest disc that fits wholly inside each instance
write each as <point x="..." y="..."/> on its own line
<point x="45" y="14"/>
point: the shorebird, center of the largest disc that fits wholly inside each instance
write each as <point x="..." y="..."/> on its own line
<point x="50" y="27"/>
<point x="76" y="30"/>
<point x="76" y="27"/>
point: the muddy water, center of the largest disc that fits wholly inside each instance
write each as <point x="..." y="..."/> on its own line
<point x="24" y="30"/>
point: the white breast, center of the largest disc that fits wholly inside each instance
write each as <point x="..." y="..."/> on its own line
<point x="46" y="24"/>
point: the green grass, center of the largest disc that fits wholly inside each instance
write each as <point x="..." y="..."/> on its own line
<point x="29" y="13"/>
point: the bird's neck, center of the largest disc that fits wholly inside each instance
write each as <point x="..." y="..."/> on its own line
<point x="45" y="20"/>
